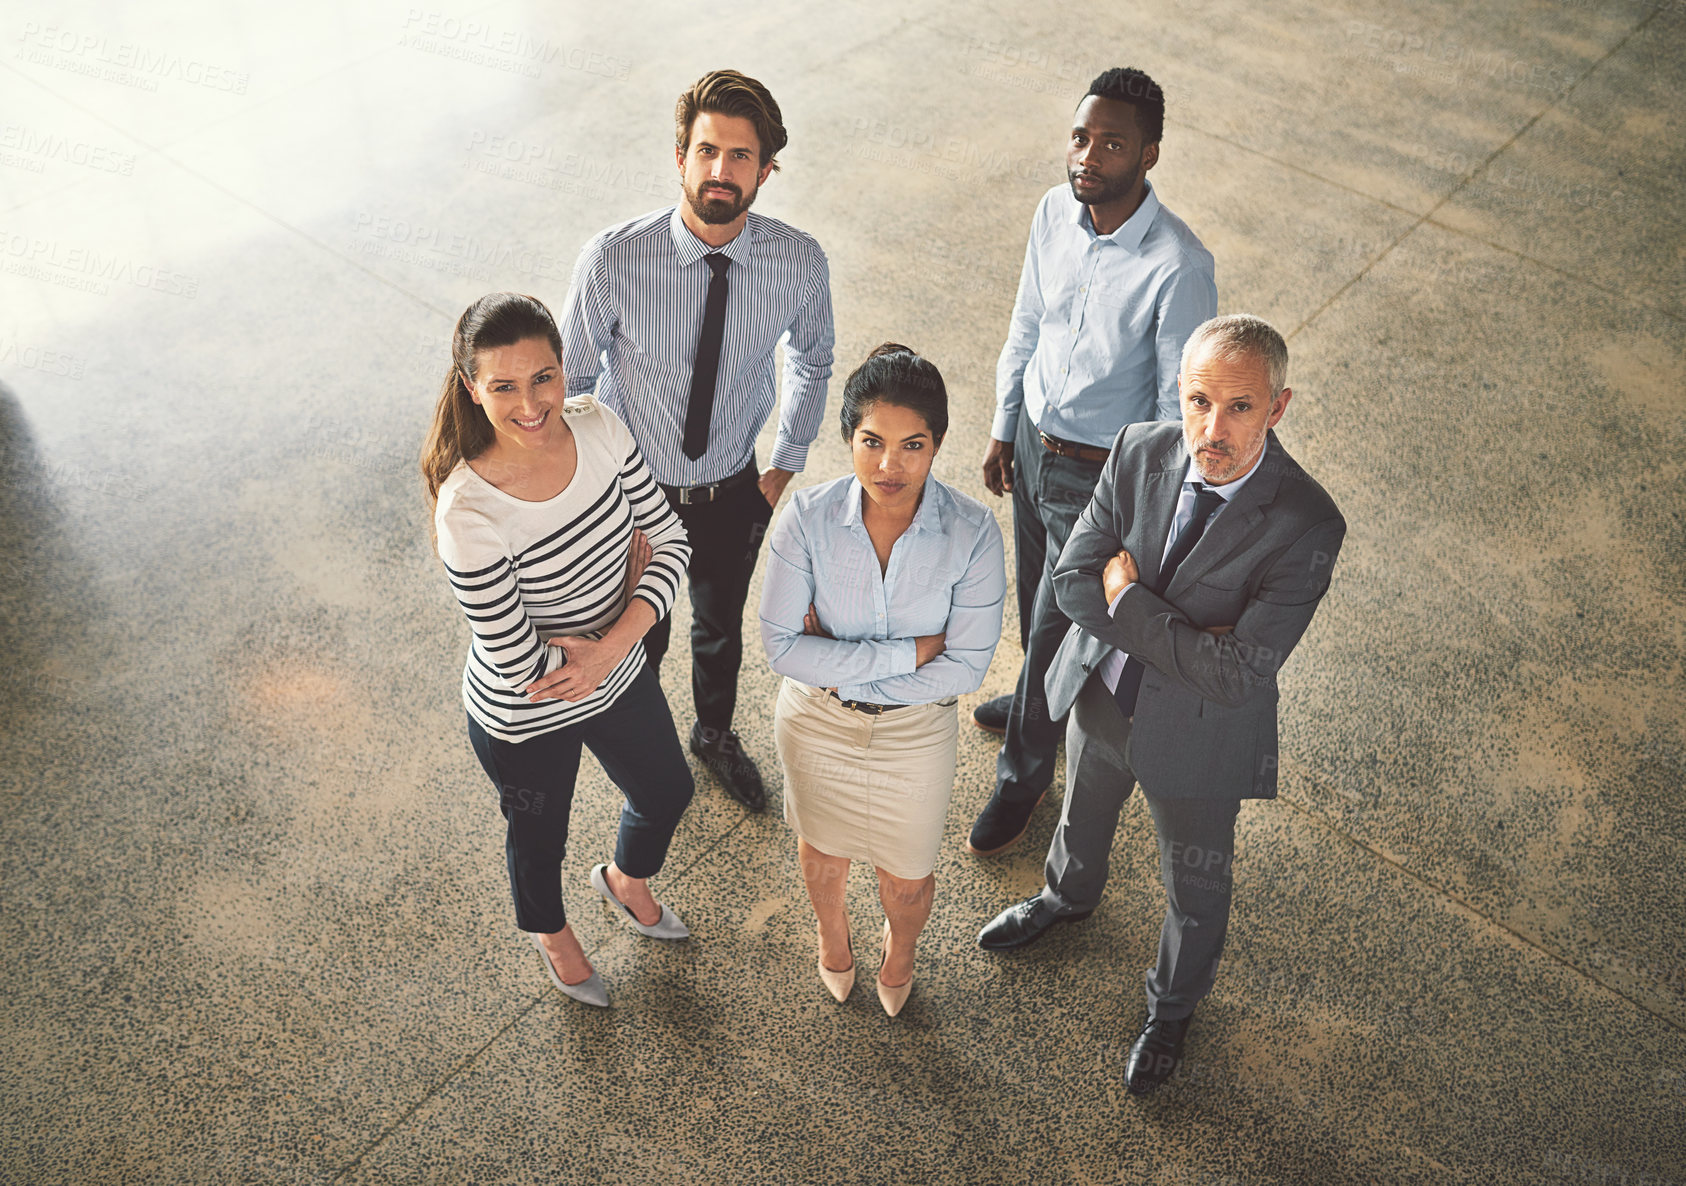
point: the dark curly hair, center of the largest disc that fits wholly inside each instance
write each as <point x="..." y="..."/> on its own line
<point x="1125" y="85"/>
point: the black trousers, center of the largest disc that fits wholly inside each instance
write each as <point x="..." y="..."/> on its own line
<point x="1049" y="492"/>
<point x="726" y="537"/>
<point x="634" y="741"/>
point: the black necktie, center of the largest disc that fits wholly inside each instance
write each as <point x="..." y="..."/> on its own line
<point x="1206" y="500"/>
<point x="708" y="359"/>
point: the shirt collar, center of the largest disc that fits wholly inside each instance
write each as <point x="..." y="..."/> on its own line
<point x="688" y="249"/>
<point x="1229" y="489"/>
<point x="1133" y="231"/>
<point x="926" y="518"/>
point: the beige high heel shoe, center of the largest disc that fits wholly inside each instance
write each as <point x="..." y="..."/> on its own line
<point x="839" y="984"/>
<point x="891" y="998"/>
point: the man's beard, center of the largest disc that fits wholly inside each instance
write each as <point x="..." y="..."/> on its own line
<point x="1114" y="192"/>
<point x="1230" y="466"/>
<point x="718" y="211"/>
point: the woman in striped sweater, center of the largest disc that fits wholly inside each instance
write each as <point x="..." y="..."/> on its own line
<point x="563" y="552"/>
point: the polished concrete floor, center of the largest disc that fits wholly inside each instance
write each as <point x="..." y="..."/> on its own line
<point x="252" y="894"/>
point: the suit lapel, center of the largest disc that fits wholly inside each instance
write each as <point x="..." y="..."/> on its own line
<point x="1159" y="506"/>
<point x="1235" y="524"/>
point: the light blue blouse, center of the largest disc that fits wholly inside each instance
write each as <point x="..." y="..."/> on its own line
<point x="947" y="572"/>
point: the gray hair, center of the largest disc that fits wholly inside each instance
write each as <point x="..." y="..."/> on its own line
<point x="1242" y="334"/>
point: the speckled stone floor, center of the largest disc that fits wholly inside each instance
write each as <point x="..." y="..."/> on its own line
<point x="252" y="892"/>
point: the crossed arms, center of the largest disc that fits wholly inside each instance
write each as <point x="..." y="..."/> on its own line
<point x="1227" y="668"/>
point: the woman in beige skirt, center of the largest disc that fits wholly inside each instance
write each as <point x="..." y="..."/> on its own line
<point x="882" y="605"/>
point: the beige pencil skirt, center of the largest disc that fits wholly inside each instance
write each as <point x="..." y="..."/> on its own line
<point x="869" y="788"/>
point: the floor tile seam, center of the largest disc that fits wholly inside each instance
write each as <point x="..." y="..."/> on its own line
<point x="1291" y="167"/>
<point x="1547" y="109"/>
<point x="467" y="1061"/>
<point x="1461" y="232"/>
<point x="711" y="849"/>
<point x="1476" y="171"/>
<point x="1565" y="273"/>
<point x="213" y="184"/>
<point x="1447" y="895"/>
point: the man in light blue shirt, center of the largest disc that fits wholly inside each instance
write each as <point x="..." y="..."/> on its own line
<point x="1113" y="285"/>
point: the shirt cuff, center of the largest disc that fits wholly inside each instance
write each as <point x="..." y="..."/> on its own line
<point x="1005" y="425"/>
<point x="905" y="658"/>
<point x="787" y="454"/>
<point x="554" y="658"/>
<point x="1112" y="606"/>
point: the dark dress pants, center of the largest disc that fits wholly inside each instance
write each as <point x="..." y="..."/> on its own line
<point x="1049" y="492"/>
<point x="634" y="742"/>
<point x="726" y="537"/>
<point x="1196" y="852"/>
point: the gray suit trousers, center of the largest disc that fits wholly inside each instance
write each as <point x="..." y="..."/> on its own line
<point x="1196" y="852"/>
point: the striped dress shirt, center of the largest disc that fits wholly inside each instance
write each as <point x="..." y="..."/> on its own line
<point x="947" y="573"/>
<point x="526" y="571"/>
<point x="633" y="316"/>
<point x="1099" y="324"/>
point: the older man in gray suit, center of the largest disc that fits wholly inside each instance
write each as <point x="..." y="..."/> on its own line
<point x="1194" y="570"/>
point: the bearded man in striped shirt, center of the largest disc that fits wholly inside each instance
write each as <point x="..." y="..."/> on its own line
<point x="673" y="318"/>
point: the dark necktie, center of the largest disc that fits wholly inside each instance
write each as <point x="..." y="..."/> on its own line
<point x="708" y="359"/>
<point x="1206" y="500"/>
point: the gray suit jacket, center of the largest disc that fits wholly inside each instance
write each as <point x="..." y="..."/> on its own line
<point x="1205" y="723"/>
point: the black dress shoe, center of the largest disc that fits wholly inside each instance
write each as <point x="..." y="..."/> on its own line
<point x="1001" y="824"/>
<point x="722" y="753"/>
<point x="1025" y="923"/>
<point x="1158" y="1050"/>
<point x="991" y="715"/>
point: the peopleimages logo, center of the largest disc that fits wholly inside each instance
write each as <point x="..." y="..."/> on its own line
<point x="39" y="146"/>
<point x="86" y="269"/>
<point x="508" y="50"/>
<point x="1443" y="58"/>
<point x="39" y="358"/>
<point x="389" y="236"/>
<point x="95" y="50"/>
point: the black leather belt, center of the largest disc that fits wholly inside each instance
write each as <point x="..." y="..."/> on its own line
<point x="1074" y="451"/>
<point x="688" y="495"/>
<point x="871" y="710"/>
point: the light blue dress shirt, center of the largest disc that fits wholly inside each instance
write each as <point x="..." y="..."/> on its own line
<point x="1113" y="665"/>
<point x="1100" y="321"/>
<point x="947" y="572"/>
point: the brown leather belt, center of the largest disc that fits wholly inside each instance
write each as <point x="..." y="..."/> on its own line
<point x="1068" y="449"/>
<point x="871" y="710"/>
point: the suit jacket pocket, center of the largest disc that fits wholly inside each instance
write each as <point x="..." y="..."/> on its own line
<point x="1209" y="604"/>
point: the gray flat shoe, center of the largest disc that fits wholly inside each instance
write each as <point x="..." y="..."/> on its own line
<point x="590" y="991"/>
<point x="667" y="926"/>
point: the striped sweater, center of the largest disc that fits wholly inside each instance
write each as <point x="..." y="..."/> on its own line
<point x="525" y="571"/>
